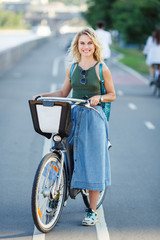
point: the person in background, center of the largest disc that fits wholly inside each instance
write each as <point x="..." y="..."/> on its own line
<point x="153" y="55"/>
<point x="105" y="38"/>
<point x="89" y="136"/>
<point x="147" y="45"/>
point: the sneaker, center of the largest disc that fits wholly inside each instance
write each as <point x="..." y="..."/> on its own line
<point x="151" y="83"/>
<point x="91" y="218"/>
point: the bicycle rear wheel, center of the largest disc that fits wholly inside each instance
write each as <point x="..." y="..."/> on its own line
<point x="85" y="195"/>
<point x="42" y="200"/>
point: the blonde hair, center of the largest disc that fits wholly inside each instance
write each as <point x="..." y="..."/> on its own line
<point x="74" y="52"/>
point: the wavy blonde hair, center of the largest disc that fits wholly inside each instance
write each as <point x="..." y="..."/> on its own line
<point x="74" y="52"/>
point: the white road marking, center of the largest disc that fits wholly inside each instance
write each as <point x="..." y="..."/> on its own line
<point x="37" y="235"/>
<point x="101" y="226"/>
<point x="53" y="87"/>
<point x="149" y="125"/>
<point x="120" y="93"/>
<point x="67" y="61"/>
<point x="132" y="106"/>
<point x="56" y="64"/>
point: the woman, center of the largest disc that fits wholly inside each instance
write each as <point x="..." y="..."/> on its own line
<point x="90" y="131"/>
<point x="153" y="56"/>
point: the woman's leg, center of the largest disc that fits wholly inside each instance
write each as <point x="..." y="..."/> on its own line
<point x="91" y="217"/>
<point x="152" y="71"/>
<point x="93" y="196"/>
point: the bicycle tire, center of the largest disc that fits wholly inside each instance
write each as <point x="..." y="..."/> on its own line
<point x="85" y="196"/>
<point x="44" y="180"/>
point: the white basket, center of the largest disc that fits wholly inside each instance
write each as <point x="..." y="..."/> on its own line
<point x="49" y="118"/>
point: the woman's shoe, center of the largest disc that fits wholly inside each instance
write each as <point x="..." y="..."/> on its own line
<point x="151" y="83"/>
<point x="91" y="218"/>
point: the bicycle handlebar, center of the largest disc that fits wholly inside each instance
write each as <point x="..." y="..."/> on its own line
<point x="63" y="99"/>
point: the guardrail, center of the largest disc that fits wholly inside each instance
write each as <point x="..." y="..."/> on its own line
<point x="9" y="57"/>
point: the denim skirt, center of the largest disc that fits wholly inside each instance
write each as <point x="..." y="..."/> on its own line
<point x="89" y="138"/>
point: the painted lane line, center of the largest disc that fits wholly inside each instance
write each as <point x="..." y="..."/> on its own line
<point x="132" y="106"/>
<point x="120" y="93"/>
<point x="101" y="226"/>
<point x="67" y="61"/>
<point x="55" y="67"/>
<point x="149" y="125"/>
<point x="37" y="235"/>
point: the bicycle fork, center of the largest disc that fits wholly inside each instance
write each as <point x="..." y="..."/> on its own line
<point x="54" y="190"/>
<point x="56" y="187"/>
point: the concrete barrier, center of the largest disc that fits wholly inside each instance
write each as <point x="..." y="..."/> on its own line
<point x="9" y="57"/>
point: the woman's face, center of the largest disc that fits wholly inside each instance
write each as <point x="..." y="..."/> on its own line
<point x="86" y="46"/>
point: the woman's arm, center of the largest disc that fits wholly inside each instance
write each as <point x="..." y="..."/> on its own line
<point x="110" y="95"/>
<point x="62" y="92"/>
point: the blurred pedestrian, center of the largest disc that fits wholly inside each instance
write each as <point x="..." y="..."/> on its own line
<point x="89" y="135"/>
<point x="148" y="45"/>
<point x="153" y="56"/>
<point x="105" y="38"/>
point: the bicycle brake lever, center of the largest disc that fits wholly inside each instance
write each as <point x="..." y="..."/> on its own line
<point x="89" y="106"/>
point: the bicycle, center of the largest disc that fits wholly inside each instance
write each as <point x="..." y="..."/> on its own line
<point x="51" y="187"/>
<point x="156" y="80"/>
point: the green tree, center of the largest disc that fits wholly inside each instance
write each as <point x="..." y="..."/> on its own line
<point x="136" y="19"/>
<point x="11" y="20"/>
<point x="99" y="10"/>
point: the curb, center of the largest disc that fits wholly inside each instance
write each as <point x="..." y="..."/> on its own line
<point x="131" y="71"/>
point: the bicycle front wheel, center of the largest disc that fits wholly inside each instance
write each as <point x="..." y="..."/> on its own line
<point x="47" y="205"/>
<point x="85" y="195"/>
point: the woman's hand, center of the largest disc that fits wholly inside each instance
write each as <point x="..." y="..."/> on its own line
<point x="94" y="100"/>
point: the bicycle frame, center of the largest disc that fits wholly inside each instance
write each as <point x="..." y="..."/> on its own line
<point x="64" y="151"/>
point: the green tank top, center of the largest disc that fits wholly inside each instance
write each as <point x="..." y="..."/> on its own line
<point x="92" y="86"/>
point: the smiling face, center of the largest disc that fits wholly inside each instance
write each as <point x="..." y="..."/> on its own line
<point x="86" y="46"/>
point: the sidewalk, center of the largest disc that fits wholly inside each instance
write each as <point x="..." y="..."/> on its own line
<point x="125" y="74"/>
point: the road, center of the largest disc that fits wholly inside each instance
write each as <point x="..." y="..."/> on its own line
<point x="132" y="204"/>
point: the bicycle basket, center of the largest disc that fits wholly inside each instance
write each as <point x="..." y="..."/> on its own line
<point x="51" y="117"/>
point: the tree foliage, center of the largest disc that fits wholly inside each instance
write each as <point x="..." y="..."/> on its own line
<point x="133" y="18"/>
<point x="11" y="20"/>
<point x="99" y="10"/>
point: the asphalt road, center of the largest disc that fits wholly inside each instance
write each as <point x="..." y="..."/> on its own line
<point x="132" y="203"/>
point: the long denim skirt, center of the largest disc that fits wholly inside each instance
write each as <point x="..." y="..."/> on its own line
<point x="89" y="138"/>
